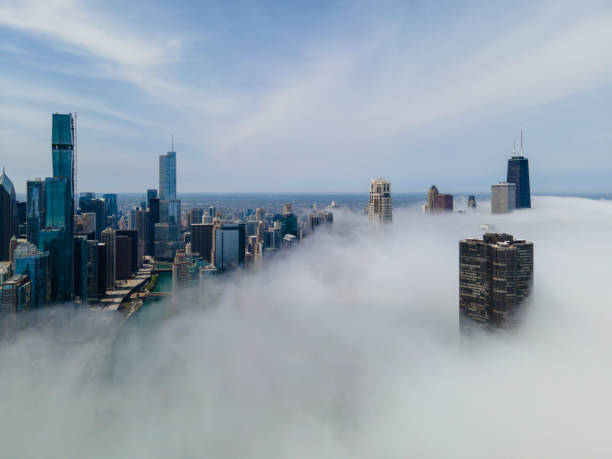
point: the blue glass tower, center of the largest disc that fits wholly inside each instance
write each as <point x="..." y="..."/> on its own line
<point x="35" y="209"/>
<point x="167" y="176"/>
<point x="35" y="264"/>
<point x="518" y="172"/>
<point x="59" y="192"/>
<point x="111" y="204"/>
<point x="62" y="145"/>
<point x="167" y="193"/>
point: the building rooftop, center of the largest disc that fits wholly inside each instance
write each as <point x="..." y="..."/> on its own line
<point x="6" y="182"/>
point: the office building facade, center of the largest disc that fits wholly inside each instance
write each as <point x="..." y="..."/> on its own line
<point x="109" y="239"/>
<point x="229" y="246"/>
<point x="202" y="240"/>
<point x="31" y="262"/>
<point x="503" y="198"/>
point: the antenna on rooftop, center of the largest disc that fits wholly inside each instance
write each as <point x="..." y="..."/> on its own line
<point x="172" y="147"/>
<point x="521" y="142"/>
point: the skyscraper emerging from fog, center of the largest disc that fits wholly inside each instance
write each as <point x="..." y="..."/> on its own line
<point x="380" y="208"/>
<point x="503" y="198"/>
<point x="518" y="173"/>
<point x="495" y="278"/>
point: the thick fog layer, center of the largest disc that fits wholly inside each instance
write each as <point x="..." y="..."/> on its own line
<point x="348" y="347"/>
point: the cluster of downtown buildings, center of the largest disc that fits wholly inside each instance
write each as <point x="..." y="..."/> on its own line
<point x="495" y="272"/>
<point x="55" y="250"/>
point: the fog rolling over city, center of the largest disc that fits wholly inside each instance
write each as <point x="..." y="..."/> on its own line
<point x="348" y="347"/>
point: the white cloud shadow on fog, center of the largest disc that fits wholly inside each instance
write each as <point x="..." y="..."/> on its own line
<point x="347" y="348"/>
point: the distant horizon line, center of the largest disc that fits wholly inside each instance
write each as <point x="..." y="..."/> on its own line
<point x="365" y="193"/>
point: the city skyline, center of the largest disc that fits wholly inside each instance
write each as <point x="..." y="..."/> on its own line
<point x="450" y="97"/>
<point x="284" y="230"/>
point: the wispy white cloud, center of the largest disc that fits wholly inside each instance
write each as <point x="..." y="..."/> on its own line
<point x="349" y="98"/>
<point x="69" y="25"/>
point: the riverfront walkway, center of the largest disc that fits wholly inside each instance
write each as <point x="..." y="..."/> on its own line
<point x="123" y="288"/>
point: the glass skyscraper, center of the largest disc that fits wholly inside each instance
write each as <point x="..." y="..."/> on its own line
<point x="111" y="204"/>
<point x="89" y="203"/>
<point x="167" y="176"/>
<point x="32" y="262"/>
<point x="62" y="145"/>
<point x="167" y="192"/>
<point x="35" y="209"/>
<point x="59" y="192"/>
<point x="51" y="241"/>
<point x="518" y="173"/>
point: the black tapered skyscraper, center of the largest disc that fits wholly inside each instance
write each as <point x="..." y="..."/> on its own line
<point x="518" y="173"/>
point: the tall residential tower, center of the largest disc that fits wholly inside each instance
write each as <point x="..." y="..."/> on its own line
<point x="495" y="278"/>
<point x="380" y="208"/>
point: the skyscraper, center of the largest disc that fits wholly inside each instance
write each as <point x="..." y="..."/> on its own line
<point x="194" y="216"/>
<point x="62" y="146"/>
<point x="33" y="263"/>
<point x="135" y="259"/>
<point x="431" y="197"/>
<point x="202" y="240"/>
<point x="503" y="198"/>
<point x="167" y="176"/>
<point x="518" y="173"/>
<point x="109" y="238"/>
<point x="96" y="283"/>
<point x="380" y="208"/>
<point x="151" y="194"/>
<point x="438" y="202"/>
<point x="229" y="246"/>
<point x="80" y="268"/>
<point x="495" y="277"/>
<point x="50" y="241"/>
<point x="59" y="192"/>
<point x="123" y="255"/>
<point x="59" y="216"/>
<point x="89" y="203"/>
<point x="167" y="192"/>
<point x="110" y="200"/>
<point x="14" y="299"/>
<point x="8" y="215"/>
<point x="152" y="219"/>
<point x="35" y="209"/>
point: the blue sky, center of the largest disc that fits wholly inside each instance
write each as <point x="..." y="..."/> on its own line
<point x="310" y="96"/>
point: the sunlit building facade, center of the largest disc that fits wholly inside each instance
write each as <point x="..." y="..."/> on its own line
<point x="380" y="208"/>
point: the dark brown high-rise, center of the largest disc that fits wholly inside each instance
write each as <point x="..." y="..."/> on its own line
<point x="202" y="240"/>
<point x="495" y="278"/>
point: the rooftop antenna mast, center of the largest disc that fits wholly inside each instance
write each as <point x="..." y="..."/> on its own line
<point x="521" y="142"/>
<point x="172" y="146"/>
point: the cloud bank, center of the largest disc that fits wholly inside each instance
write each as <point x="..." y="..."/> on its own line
<point x="347" y="348"/>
